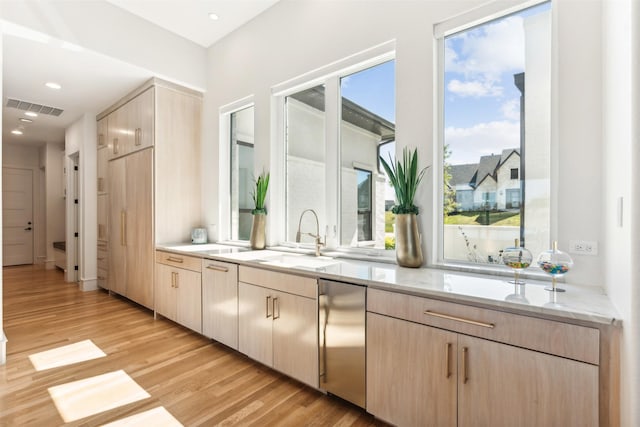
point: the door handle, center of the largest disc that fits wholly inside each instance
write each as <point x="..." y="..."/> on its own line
<point x="28" y="229"/>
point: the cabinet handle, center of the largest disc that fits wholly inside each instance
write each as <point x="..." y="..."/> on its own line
<point x="115" y="145"/>
<point x="447" y="363"/>
<point x="267" y="308"/>
<point x="459" y="319"/>
<point x="465" y="367"/>
<point x="173" y="279"/>
<point x="177" y="280"/>
<point x="216" y="268"/>
<point x="101" y="233"/>
<point x="276" y="303"/>
<point x="100" y="140"/>
<point x="138" y="136"/>
<point x="100" y="184"/>
<point x="123" y="228"/>
<point x="174" y="259"/>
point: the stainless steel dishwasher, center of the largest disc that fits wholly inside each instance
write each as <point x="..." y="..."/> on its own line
<point x="342" y="318"/>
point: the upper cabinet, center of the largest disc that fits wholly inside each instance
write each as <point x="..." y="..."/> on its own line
<point x="131" y="127"/>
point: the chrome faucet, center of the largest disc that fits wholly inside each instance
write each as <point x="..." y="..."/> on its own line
<point x="316" y="236"/>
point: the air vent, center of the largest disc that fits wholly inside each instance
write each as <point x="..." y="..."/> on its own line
<point x="36" y="108"/>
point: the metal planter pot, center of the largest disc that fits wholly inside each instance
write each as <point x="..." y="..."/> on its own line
<point x="408" y="248"/>
<point x="258" y="239"/>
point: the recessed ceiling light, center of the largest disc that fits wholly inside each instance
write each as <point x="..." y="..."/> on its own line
<point x="214" y="16"/>
<point x="53" y="85"/>
<point x="31" y="114"/>
<point x="23" y="120"/>
<point x="16" y="132"/>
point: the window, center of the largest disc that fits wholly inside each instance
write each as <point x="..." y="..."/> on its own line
<point x="334" y="133"/>
<point x="495" y="81"/>
<point x="241" y="149"/>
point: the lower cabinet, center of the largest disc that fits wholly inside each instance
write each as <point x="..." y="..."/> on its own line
<point x="420" y="375"/>
<point x="278" y="328"/>
<point x="220" y="302"/>
<point x="178" y="290"/>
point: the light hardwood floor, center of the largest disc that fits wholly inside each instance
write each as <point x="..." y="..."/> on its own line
<point x="200" y="382"/>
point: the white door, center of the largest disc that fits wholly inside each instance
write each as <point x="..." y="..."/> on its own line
<point x="17" y="216"/>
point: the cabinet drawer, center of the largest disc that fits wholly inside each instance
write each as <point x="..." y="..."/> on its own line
<point x="297" y="285"/>
<point x="179" y="261"/>
<point x="562" y="339"/>
<point x="102" y="259"/>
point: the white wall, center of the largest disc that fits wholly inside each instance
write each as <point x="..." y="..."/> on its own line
<point x="253" y="59"/>
<point x="81" y="141"/>
<point x="55" y="209"/>
<point x="622" y="161"/>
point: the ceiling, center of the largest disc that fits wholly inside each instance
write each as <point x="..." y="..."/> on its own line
<point x="90" y="81"/>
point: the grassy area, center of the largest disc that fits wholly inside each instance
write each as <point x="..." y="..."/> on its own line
<point x="389" y="220"/>
<point x="484" y="218"/>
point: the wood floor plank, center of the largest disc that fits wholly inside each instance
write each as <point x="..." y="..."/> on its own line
<point x="200" y="382"/>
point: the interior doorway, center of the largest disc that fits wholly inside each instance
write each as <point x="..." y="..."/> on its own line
<point x="73" y="249"/>
<point x="17" y="216"/>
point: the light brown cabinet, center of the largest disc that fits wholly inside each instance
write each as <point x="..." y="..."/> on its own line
<point x="421" y="375"/>
<point x="151" y="183"/>
<point x="276" y="327"/>
<point x="103" y="202"/>
<point x="131" y="231"/>
<point x="220" y="302"/>
<point x="178" y="294"/>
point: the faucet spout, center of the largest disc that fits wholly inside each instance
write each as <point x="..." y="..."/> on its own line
<point x="318" y="241"/>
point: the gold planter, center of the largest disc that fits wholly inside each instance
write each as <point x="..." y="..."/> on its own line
<point x="408" y="249"/>
<point x="258" y="239"/>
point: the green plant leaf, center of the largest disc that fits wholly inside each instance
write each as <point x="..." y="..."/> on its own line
<point x="405" y="178"/>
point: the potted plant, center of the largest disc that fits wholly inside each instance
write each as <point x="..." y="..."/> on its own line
<point x="257" y="239"/>
<point x="405" y="178"/>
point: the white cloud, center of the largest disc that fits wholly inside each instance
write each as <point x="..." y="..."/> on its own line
<point x="511" y="109"/>
<point x="469" y="144"/>
<point x="474" y="88"/>
<point x="485" y="53"/>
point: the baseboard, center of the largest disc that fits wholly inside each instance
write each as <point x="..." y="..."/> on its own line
<point x="49" y="264"/>
<point x="88" y="284"/>
<point x="3" y="348"/>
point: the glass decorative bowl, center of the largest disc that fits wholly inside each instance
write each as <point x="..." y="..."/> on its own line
<point x="555" y="263"/>
<point x="518" y="258"/>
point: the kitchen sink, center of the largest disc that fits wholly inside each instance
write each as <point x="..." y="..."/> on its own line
<point x="300" y="261"/>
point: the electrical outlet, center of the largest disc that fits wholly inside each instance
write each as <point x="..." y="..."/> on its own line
<point x="583" y="247"/>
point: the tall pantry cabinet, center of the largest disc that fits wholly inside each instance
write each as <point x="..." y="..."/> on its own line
<point x="149" y="172"/>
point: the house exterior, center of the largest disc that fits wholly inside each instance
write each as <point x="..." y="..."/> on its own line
<point x="492" y="183"/>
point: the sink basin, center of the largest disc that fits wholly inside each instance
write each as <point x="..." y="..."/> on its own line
<point x="199" y="248"/>
<point x="300" y="261"/>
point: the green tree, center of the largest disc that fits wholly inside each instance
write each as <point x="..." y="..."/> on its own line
<point x="450" y="204"/>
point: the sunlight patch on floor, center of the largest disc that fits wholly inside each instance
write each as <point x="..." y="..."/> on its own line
<point x="66" y="355"/>
<point x="80" y="399"/>
<point x="156" y="417"/>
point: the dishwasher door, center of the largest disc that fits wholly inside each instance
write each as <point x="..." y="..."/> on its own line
<point x="342" y="318"/>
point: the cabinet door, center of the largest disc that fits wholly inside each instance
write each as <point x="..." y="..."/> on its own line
<point x="140" y="113"/>
<point x="116" y="278"/>
<point x="501" y="385"/>
<point x="116" y="133"/>
<point x="411" y="373"/>
<point x="220" y="302"/>
<point x="103" y="158"/>
<point x="139" y="227"/>
<point x="255" y="314"/>
<point x="295" y="337"/>
<point x="103" y="217"/>
<point x="102" y="137"/>
<point x="189" y="302"/>
<point x="165" y="291"/>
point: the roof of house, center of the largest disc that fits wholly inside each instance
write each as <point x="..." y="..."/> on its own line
<point x="474" y="173"/>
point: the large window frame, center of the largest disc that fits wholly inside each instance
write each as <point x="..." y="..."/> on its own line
<point x="225" y="204"/>
<point x="460" y="23"/>
<point x="328" y="76"/>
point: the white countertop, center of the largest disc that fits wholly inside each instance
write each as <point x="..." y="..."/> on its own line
<point x="578" y="303"/>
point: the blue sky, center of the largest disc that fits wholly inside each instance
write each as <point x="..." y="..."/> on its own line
<point x="373" y="89"/>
